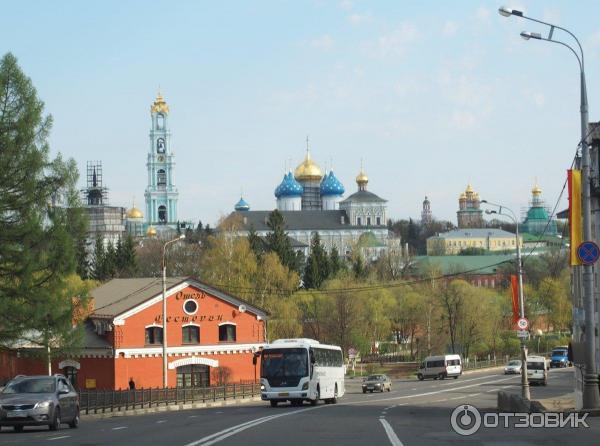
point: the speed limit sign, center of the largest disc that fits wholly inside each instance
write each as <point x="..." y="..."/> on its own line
<point x="522" y="323"/>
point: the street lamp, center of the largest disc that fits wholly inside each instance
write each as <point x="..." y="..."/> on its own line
<point x="591" y="396"/>
<point x="164" y="302"/>
<point x="524" y="381"/>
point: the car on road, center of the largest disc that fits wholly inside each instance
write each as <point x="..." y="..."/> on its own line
<point x="513" y="367"/>
<point x="39" y="401"/>
<point x="440" y="367"/>
<point x="537" y="370"/>
<point x="560" y="357"/>
<point x="377" y="383"/>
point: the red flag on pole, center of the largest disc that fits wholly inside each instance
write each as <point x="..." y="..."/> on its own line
<point x="514" y="281"/>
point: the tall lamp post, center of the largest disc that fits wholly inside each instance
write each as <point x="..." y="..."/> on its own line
<point x="591" y="396"/>
<point x="164" y="302"/>
<point x="524" y="381"/>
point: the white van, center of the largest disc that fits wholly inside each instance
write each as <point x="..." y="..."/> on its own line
<point x="440" y="367"/>
<point x="537" y="370"/>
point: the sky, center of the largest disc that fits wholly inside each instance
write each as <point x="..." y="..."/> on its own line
<point x="430" y="95"/>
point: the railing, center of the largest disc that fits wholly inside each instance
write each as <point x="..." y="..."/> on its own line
<point x="386" y="358"/>
<point x="100" y="401"/>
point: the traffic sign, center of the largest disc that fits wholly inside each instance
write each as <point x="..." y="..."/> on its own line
<point x="588" y="252"/>
<point x="522" y="334"/>
<point x="522" y="323"/>
<point x="352" y="352"/>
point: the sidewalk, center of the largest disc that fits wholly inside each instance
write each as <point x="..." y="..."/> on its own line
<point x="169" y="408"/>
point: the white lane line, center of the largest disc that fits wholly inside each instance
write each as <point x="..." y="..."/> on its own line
<point x="119" y="428"/>
<point x="161" y="421"/>
<point x="390" y="433"/>
<point x="218" y="436"/>
<point x="192" y="416"/>
<point x="416" y="395"/>
<point x="58" y="438"/>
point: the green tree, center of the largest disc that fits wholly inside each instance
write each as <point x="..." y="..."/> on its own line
<point x="99" y="262"/>
<point x="317" y="267"/>
<point x="336" y="263"/>
<point x="40" y="219"/>
<point x="279" y="242"/>
<point x="126" y="257"/>
<point x="256" y="244"/>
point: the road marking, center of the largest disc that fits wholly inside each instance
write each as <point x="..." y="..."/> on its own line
<point x="390" y="433"/>
<point x="416" y="395"/>
<point x="192" y="416"/>
<point x="119" y="428"/>
<point x="58" y="438"/>
<point x="218" y="436"/>
<point x="161" y="421"/>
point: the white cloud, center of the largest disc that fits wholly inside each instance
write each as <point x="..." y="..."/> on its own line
<point x="324" y="42"/>
<point x="449" y="29"/>
<point x="463" y="119"/>
<point x="358" y="19"/>
<point x="482" y="14"/>
<point x="395" y="42"/>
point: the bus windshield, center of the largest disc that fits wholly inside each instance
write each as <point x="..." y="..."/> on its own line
<point x="284" y="364"/>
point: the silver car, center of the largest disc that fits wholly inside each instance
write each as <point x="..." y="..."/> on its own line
<point x="39" y="401"/>
<point x="513" y="367"/>
<point x="376" y="383"/>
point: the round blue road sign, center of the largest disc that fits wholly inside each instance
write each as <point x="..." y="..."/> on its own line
<point x="588" y="252"/>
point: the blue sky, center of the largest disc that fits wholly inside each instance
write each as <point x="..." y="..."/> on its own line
<point x="431" y="95"/>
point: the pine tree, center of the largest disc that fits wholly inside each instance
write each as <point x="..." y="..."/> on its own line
<point x="317" y="267"/>
<point x="336" y="264"/>
<point x="256" y="244"/>
<point x="40" y="221"/>
<point x="110" y="261"/>
<point x="279" y="242"/>
<point x="128" y="260"/>
<point x="99" y="260"/>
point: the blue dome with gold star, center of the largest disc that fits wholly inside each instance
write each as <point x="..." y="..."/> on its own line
<point x="242" y="205"/>
<point x="331" y="185"/>
<point x="289" y="187"/>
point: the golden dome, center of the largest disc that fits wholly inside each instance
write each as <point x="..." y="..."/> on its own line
<point x="308" y="170"/>
<point x="469" y="189"/>
<point x="463" y="196"/>
<point x="159" y="105"/>
<point x="151" y="232"/>
<point x="536" y="190"/>
<point x="134" y="213"/>
<point x="362" y="177"/>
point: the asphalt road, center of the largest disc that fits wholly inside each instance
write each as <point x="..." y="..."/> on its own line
<point x="413" y="413"/>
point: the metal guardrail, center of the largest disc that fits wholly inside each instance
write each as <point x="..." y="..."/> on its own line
<point x="101" y="401"/>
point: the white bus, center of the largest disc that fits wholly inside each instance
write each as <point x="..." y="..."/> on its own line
<point x="298" y="370"/>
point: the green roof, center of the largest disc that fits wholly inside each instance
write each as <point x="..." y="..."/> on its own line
<point x="369" y="240"/>
<point x="485" y="264"/>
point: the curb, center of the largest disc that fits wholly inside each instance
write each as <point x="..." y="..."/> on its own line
<point x="171" y="408"/>
<point x="466" y="372"/>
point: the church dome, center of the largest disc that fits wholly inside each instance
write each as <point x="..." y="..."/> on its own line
<point x="242" y="205"/>
<point x="159" y="105"/>
<point x="331" y="185"/>
<point x="536" y="191"/>
<point x="362" y="178"/>
<point x="289" y="187"/>
<point x="308" y="170"/>
<point x="151" y="232"/>
<point x="134" y="213"/>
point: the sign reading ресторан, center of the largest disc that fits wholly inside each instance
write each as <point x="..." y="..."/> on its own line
<point x="186" y="318"/>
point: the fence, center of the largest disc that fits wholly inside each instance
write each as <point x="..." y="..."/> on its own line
<point x="95" y="401"/>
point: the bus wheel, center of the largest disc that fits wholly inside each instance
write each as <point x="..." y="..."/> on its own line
<point x="316" y="400"/>
<point x="335" y="396"/>
<point x="273" y="403"/>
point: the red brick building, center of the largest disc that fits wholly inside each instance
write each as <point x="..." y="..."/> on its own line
<point x="211" y="337"/>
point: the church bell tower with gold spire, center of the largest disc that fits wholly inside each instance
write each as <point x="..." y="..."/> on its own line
<point x="161" y="194"/>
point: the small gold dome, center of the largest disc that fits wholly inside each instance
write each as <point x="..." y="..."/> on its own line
<point x="134" y="213"/>
<point x="308" y="170"/>
<point x="362" y="178"/>
<point x="463" y="196"/>
<point x="159" y="105"/>
<point x="469" y="189"/>
<point x="536" y="190"/>
<point x="151" y="232"/>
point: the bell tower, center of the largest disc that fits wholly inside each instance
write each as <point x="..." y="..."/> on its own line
<point x="161" y="194"/>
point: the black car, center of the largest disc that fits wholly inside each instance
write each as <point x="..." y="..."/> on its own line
<point x="39" y="401"/>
